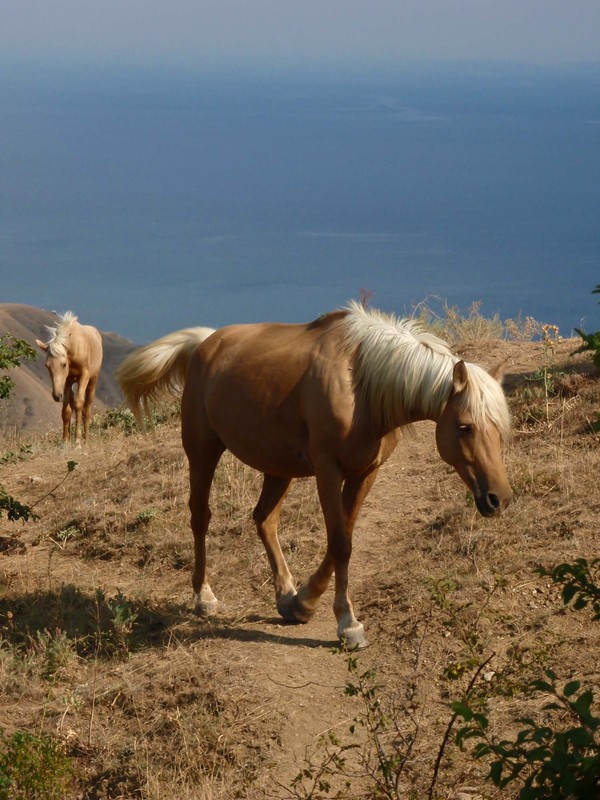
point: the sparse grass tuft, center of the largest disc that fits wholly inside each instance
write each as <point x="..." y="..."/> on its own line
<point x="470" y="327"/>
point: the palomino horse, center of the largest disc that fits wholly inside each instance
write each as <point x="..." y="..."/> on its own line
<point x="73" y="355"/>
<point x="326" y="399"/>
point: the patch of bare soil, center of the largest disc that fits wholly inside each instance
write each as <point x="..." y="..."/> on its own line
<point x="99" y="646"/>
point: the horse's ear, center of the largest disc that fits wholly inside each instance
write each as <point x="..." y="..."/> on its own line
<point x="460" y="377"/>
<point x="41" y="345"/>
<point x="499" y="370"/>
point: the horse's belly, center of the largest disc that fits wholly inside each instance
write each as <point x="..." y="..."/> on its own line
<point x="270" y="449"/>
<point x="291" y="465"/>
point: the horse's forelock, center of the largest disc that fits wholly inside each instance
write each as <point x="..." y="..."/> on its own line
<point x="486" y="401"/>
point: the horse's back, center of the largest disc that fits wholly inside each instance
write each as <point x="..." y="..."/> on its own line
<point x="89" y="345"/>
<point x="278" y="351"/>
<point x="264" y="388"/>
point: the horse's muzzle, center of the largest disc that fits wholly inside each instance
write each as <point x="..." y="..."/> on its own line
<point x="57" y="397"/>
<point x="489" y="504"/>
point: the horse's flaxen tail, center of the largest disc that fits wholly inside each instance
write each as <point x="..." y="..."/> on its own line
<point x="157" y="370"/>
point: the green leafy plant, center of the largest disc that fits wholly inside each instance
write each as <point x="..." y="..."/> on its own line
<point x="13" y="509"/>
<point x="554" y="759"/>
<point x="33" y="766"/>
<point x="10" y="457"/>
<point x="65" y="535"/>
<point x="145" y="517"/>
<point x="13" y="353"/>
<point x="580" y="583"/>
<point x="590" y="341"/>
<point x="548" y="762"/>
<point x="119" y="418"/>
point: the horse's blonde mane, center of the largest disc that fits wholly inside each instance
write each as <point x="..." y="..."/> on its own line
<point x="57" y="344"/>
<point x="404" y="372"/>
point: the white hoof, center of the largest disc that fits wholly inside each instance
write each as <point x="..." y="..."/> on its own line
<point x="205" y="604"/>
<point x="354" y="637"/>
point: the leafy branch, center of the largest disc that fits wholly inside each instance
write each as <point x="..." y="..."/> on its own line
<point x="591" y="341"/>
<point x="13" y="352"/>
<point x="548" y="763"/>
<point x="580" y="585"/>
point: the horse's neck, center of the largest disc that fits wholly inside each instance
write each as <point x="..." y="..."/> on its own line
<point x="74" y="343"/>
<point x="418" y="397"/>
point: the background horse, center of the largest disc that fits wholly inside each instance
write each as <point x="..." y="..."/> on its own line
<point x="73" y="356"/>
<point x="326" y="399"/>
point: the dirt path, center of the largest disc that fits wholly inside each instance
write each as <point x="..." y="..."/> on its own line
<point x="299" y="669"/>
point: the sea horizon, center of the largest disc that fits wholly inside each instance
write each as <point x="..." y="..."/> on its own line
<point x="150" y="200"/>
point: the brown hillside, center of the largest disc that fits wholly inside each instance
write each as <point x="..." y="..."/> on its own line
<point x="99" y="647"/>
<point x="30" y="404"/>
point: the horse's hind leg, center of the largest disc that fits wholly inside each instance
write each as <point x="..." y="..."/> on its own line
<point x="203" y="463"/>
<point x="266" y="517"/>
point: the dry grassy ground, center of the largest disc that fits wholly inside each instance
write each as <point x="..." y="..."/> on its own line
<point x="99" y="647"/>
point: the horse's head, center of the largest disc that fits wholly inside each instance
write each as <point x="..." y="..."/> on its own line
<point x="470" y="441"/>
<point x="57" y="365"/>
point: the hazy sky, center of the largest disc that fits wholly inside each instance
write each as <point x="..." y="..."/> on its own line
<point x="304" y="30"/>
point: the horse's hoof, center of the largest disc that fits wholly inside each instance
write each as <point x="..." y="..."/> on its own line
<point x="354" y="637"/>
<point x="205" y="608"/>
<point x="286" y="607"/>
<point x="292" y="610"/>
<point x="301" y="612"/>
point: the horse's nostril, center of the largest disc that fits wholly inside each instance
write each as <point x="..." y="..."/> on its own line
<point x="493" y="501"/>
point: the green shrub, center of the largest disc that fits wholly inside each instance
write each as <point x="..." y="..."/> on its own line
<point x="580" y="583"/>
<point x="33" y="767"/>
<point x="13" y="352"/>
<point x="559" y="759"/>
<point x="551" y="763"/>
<point x="591" y="341"/>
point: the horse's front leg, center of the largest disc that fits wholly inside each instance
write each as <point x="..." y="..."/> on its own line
<point x="353" y="496"/>
<point x="266" y="517"/>
<point x="67" y="410"/>
<point x="79" y="402"/>
<point x="66" y="414"/>
<point x="87" y="406"/>
<point x="337" y="558"/>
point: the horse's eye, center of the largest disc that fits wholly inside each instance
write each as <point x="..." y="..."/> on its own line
<point x="465" y="430"/>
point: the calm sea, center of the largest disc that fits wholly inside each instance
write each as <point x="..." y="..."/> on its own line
<point x="149" y="200"/>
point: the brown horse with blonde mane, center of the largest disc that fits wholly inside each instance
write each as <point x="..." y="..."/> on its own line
<point x="73" y="356"/>
<point x="326" y="399"/>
